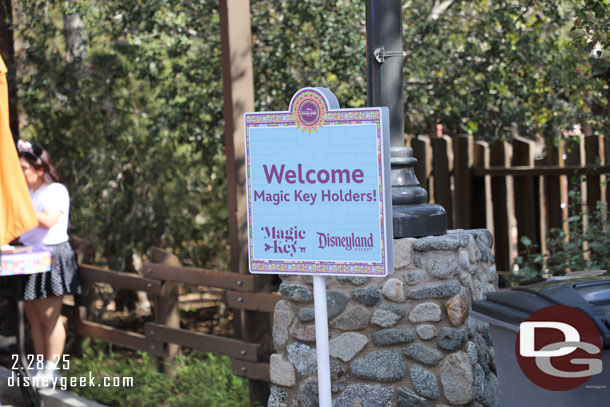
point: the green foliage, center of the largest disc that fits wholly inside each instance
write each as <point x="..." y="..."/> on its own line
<point x="199" y="380"/>
<point x="99" y="360"/>
<point x="135" y="126"/>
<point x="505" y="67"/>
<point x="214" y="375"/>
<point x="590" y="31"/>
<point x="308" y="43"/>
<point x="585" y="246"/>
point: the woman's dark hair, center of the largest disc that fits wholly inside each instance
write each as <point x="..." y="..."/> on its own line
<point x="38" y="158"/>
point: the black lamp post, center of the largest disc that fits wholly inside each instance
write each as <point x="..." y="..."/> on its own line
<point x="412" y="216"/>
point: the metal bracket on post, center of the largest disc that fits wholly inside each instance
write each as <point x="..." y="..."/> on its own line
<point x="380" y="54"/>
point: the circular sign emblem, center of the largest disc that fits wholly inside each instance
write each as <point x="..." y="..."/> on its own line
<point x="309" y="113"/>
<point x="559" y="348"/>
<point x="309" y="110"/>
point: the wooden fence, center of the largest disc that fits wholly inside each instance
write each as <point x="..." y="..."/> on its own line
<point x="164" y="337"/>
<point x="507" y="188"/>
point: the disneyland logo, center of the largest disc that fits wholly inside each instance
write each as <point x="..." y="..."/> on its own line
<point x="309" y="112"/>
<point x="349" y="242"/>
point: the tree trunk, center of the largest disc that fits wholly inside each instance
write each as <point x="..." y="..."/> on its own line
<point x="76" y="45"/>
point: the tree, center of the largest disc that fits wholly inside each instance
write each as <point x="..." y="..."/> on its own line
<point x="505" y="67"/>
<point x="135" y="124"/>
<point x="308" y="43"/>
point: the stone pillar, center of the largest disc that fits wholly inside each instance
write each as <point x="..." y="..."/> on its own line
<point x="405" y="340"/>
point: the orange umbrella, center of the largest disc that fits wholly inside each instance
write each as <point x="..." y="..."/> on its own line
<point x="16" y="211"/>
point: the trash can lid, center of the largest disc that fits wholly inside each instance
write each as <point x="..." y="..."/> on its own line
<point x="589" y="295"/>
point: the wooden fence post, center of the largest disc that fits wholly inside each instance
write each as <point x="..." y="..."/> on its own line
<point x="593" y="155"/>
<point x="442" y="175"/>
<point x="543" y="205"/>
<point x="463" y="187"/>
<point x="423" y="167"/>
<point x="573" y="153"/>
<point x="526" y="202"/>
<point x="553" y="190"/>
<point x="238" y="91"/>
<point x="499" y="156"/>
<point x="482" y="209"/>
<point x="606" y="155"/>
<point x="85" y="254"/>
<point x="166" y="309"/>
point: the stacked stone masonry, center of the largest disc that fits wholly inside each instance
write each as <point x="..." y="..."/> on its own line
<point x="406" y="340"/>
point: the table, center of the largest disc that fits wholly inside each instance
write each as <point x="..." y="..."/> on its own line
<point x="22" y="261"/>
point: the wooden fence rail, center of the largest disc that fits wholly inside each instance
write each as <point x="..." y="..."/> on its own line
<point x="128" y="281"/>
<point x="164" y="337"/>
<point x="506" y="188"/>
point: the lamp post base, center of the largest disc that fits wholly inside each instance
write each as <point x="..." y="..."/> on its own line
<point x="419" y="220"/>
<point x="412" y="216"/>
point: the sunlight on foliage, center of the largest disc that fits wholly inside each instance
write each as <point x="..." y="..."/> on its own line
<point x="584" y="246"/>
<point x="201" y="379"/>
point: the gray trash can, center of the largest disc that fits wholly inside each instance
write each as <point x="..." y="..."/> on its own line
<point x="505" y="310"/>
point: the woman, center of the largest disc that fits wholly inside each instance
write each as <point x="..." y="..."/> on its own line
<point x="44" y="292"/>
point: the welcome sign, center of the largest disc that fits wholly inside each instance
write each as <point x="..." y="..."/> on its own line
<point x="318" y="188"/>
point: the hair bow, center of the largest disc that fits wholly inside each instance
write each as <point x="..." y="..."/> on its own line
<point x="32" y="148"/>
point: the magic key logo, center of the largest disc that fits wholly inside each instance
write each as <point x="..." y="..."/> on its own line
<point x="559" y="348"/>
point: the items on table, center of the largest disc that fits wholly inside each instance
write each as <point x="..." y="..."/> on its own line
<point x="24" y="260"/>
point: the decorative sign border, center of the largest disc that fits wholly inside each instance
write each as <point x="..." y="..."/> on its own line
<point x="310" y="110"/>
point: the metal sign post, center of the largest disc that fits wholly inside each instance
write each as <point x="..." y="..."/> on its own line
<point x="322" y="352"/>
<point x="319" y="198"/>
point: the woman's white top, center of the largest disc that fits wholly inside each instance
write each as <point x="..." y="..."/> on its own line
<point x="49" y="196"/>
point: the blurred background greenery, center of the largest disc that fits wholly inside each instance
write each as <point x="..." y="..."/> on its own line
<point x="127" y="95"/>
